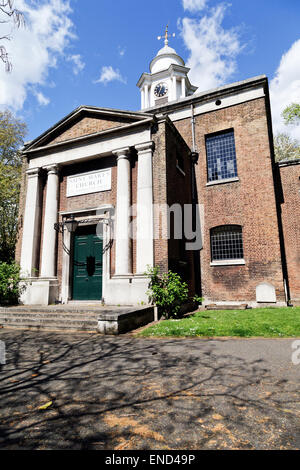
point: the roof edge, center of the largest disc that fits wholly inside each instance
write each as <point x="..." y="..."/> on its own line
<point x="282" y="163"/>
<point x="30" y="151"/>
<point x="249" y="82"/>
<point x="81" y="109"/>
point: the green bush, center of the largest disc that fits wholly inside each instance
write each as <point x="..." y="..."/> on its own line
<point x="10" y="287"/>
<point x="168" y="291"/>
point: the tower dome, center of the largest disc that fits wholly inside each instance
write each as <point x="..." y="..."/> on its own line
<point x="165" y="57"/>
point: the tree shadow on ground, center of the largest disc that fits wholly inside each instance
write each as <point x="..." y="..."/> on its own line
<point x="128" y="393"/>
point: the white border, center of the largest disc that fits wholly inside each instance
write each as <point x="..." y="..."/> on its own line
<point x="105" y="187"/>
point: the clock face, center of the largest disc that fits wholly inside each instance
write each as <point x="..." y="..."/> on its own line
<point x="161" y="90"/>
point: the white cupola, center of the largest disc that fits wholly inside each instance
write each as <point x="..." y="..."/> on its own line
<point x="167" y="81"/>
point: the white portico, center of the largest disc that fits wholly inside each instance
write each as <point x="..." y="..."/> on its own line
<point x="60" y="187"/>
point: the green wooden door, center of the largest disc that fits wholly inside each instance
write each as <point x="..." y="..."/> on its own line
<point x="87" y="264"/>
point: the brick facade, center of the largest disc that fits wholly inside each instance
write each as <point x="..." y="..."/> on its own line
<point x="290" y="209"/>
<point x="248" y="201"/>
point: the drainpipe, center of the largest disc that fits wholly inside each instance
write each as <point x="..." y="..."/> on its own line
<point x="194" y="149"/>
<point x="194" y="161"/>
<point x="194" y="156"/>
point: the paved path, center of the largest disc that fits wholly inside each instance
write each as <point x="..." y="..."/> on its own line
<point x="128" y="393"/>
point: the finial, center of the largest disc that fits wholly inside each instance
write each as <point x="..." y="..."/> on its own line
<point x="166" y="36"/>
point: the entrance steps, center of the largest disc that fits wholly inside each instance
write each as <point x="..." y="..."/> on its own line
<point x="50" y="319"/>
<point x="226" y="307"/>
<point x="88" y="318"/>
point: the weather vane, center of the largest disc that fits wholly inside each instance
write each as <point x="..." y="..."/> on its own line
<point x="166" y="36"/>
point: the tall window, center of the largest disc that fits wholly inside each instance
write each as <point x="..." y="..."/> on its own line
<point x="226" y="243"/>
<point x="221" y="158"/>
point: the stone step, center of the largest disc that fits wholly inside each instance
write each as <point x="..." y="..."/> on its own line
<point x="226" y="307"/>
<point x="51" y="316"/>
<point x="52" y="327"/>
<point x="105" y="319"/>
<point x="54" y="324"/>
<point x="20" y="318"/>
<point x="53" y="310"/>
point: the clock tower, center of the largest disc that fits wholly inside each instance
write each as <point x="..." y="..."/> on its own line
<point x="167" y="81"/>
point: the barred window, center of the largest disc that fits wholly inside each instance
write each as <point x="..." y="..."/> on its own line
<point x="226" y="242"/>
<point x="221" y="157"/>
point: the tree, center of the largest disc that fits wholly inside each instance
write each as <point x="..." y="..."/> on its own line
<point x="285" y="147"/>
<point x="9" y="16"/>
<point x="291" y="114"/>
<point x="12" y="133"/>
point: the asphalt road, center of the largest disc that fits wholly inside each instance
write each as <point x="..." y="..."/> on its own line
<point x="127" y="393"/>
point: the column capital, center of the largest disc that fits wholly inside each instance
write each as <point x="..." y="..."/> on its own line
<point x="33" y="172"/>
<point x="145" y="147"/>
<point x="52" y="169"/>
<point x="122" y="153"/>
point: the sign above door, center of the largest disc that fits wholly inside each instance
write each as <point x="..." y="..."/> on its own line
<point x="91" y="182"/>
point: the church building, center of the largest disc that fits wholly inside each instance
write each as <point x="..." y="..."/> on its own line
<point x="188" y="183"/>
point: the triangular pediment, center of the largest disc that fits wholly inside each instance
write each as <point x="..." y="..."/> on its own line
<point x="86" y="121"/>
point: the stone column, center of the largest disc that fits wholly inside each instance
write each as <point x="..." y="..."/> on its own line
<point x="66" y="256"/>
<point x="50" y="218"/>
<point x="146" y="96"/>
<point x="144" y="221"/>
<point x="123" y="265"/>
<point x="183" y="87"/>
<point x="32" y="224"/>
<point x="174" y="88"/>
<point x="142" y="98"/>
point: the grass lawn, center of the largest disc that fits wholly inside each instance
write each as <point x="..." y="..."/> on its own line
<point x="265" y="322"/>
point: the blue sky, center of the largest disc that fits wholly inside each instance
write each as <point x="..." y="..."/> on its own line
<point x="94" y="51"/>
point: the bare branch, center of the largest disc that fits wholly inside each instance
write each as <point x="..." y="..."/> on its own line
<point x="4" y="57"/>
<point x="13" y="16"/>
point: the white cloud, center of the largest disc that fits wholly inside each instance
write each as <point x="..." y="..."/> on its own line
<point x="109" y="74"/>
<point x="42" y="99"/>
<point x="35" y="49"/>
<point x="285" y="89"/>
<point x="121" y="51"/>
<point x="194" y="5"/>
<point x="213" y="49"/>
<point x="78" y="64"/>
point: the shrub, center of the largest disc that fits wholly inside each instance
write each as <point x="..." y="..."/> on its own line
<point x="168" y="291"/>
<point x="10" y="287"/>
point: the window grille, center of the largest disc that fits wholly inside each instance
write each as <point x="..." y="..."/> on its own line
<point x="226" y="243"/>
<point x="221" y="156"/>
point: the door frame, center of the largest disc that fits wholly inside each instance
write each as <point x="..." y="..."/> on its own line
<point x="72" y="259"/>
<point x="67" y="251"/>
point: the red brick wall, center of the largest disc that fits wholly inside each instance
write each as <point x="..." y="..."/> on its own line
<point x="291" y="224"/>
<point x="179" y="192"/>
<point x="160" y="192"/>
<point x="250" y="202"/>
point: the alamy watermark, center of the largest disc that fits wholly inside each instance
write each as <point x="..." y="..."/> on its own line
<point x="159" y="222"/>
<point x="296" y="353"/>
<point x="2" y="353"/>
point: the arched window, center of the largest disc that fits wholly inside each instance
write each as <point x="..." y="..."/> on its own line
<point x="226" y="243"/>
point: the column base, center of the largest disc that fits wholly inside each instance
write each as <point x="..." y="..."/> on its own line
<point x="126" y="291"/>
<point x="40" y="291"/>
<point x="123" y="276"/>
